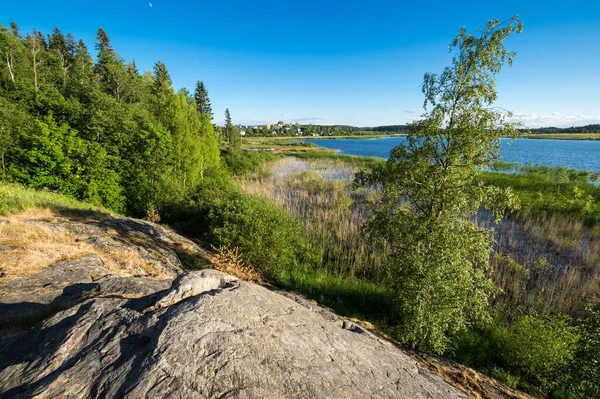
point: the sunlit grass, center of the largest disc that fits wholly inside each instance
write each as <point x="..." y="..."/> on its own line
<point x="15" y="198"/>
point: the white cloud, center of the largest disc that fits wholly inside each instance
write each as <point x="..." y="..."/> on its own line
<point x="533" y="120"/>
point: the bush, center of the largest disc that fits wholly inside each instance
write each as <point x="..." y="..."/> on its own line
<point x="268" y="238"/>
<point x="532" y="352"/>
<point x="242" y="163"/>
<point x="217" y="213"/>
<point x="539" y="348"/>
<point x="585" y="370"/>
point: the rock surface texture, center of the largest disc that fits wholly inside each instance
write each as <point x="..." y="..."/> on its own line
<point x="95" y="246"/>
<point x="207" y="336"/>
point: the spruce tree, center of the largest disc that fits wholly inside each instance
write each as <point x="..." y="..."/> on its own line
<point x="14" y="29"/>
<point x="228" y="126"/>
<point x="202" y="100"/>
<point x="163" y="93"/>
<point x="58" y="44"/>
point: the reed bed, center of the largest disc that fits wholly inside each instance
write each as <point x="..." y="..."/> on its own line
<point x="318" y="194"/>
<point x="541" y="263"/>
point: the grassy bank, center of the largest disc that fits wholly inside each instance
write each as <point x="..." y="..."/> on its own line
<point x="15" y="198"/>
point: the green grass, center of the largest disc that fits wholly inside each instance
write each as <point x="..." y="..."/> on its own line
<point x="353" y="160"/>
<point x="552" y="192"/>
<point x="347" y="296"/>
<point x="15" y="198"/>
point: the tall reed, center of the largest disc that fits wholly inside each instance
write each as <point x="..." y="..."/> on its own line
<point x="541" y="263"/>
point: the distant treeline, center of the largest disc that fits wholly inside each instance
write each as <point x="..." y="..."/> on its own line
<point x="323" y="130"/>
<point x="594" y="128"/>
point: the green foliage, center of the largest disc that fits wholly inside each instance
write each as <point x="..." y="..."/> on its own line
<point x="266" y="236"/>
<point x="15" y="198"/>
<point x="551" y="192"/>
<point x="220" y="215"/>
<point x="584" y="372"/>
<point x="97" y="130"/>
<point x="532" y="352"/>
<point x="202" y="100"/>
<point x="439" y="259"/>
<point x="245" y="162"/>
<point x="539" y="348"/>
<point x="232" y="134"/>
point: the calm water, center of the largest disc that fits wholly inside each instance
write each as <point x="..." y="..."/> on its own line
<point x="576" y="154"/>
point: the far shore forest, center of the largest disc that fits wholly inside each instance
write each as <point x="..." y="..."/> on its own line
<point x="498" y="271"/>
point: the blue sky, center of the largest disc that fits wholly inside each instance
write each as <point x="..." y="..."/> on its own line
<point x="340" y="62"/>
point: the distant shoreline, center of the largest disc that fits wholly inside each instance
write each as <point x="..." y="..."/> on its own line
<point x="534" y="136"/>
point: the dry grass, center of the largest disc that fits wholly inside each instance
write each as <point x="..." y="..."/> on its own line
<point x="547" y="264"/>
<point x="33" y="247"/>
<point x="228" y="260"/>
<point x="318" y="194"/>
<point x="474" y="384"/>
<point x="35" y="240"/>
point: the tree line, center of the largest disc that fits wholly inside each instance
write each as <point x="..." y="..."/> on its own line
<point x="101" y="131"/>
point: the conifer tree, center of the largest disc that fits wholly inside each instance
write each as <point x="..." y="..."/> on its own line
<point x="163" y="93"/>
<point x="111" y="70"/>
<point x="228" y="126"/>
<point x="58" y="44"/>
<point x="14" y="29"/>
<point x="202" y="100"/>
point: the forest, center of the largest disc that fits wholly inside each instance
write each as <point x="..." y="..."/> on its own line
<point x="99" y="130"/>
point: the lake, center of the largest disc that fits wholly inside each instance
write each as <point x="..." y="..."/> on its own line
<point x="576" y="154"/>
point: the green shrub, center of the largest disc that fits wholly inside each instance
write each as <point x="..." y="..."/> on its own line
<point x="266" y="236"/>
<point x="584" y="379"/>
<point x="539" y="348"/>
<point x="532" y="352"/>
<point x="241" y="163"/>
<point x="219" y="214"/>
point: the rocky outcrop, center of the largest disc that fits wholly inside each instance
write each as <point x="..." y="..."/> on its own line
<point x="95" y="246"/>
<point x="27" y="295"/>
<point x="208" y="336"/>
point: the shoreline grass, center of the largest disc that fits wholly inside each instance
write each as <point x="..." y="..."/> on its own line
<point x="563" y="136"/>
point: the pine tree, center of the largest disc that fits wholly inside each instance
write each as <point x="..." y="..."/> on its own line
<point x="163" y="93"/>
<point x="81" y="78"/>
<point x="228" y="126"/>
<point x="103" y="42"/>
<point x="14" y="29"/>
<point x="202" y="100"/>
<point x="111" y="70"/>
